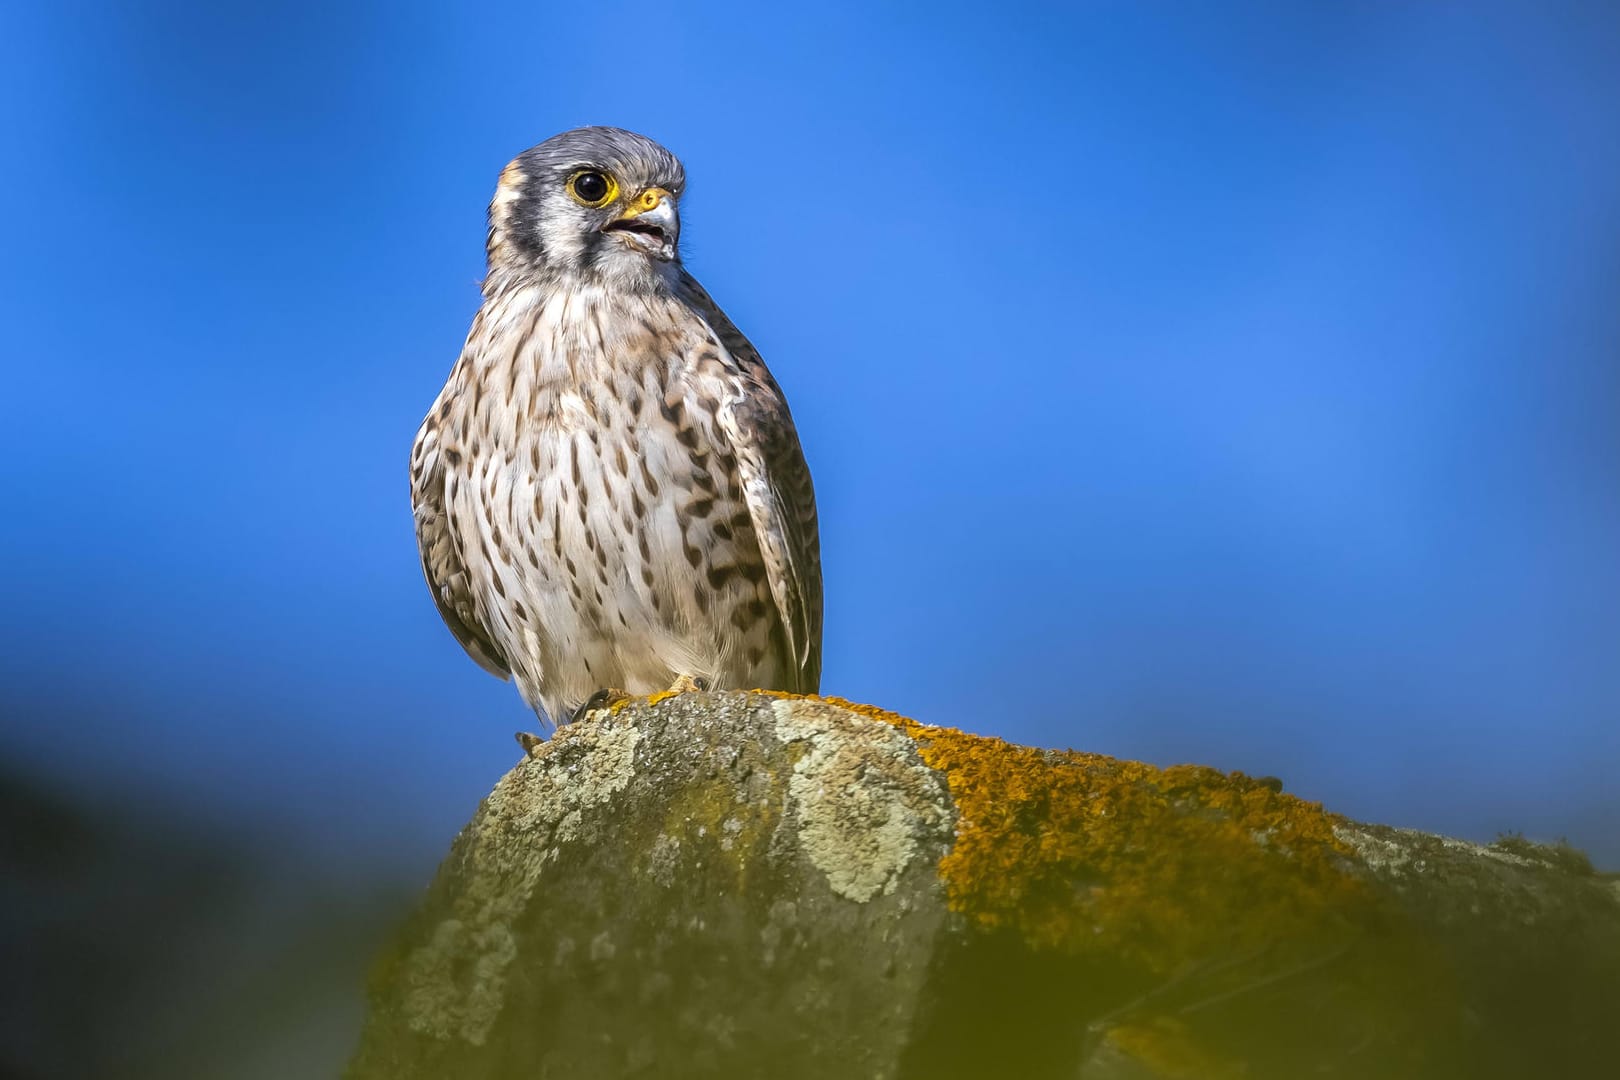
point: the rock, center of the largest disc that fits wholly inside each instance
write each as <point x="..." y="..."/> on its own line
<point x="749" y="884"/>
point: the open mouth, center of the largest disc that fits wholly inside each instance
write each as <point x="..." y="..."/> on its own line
<point x="636" y="225"/>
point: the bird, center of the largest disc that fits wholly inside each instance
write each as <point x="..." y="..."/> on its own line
<point x="610" y="496"/>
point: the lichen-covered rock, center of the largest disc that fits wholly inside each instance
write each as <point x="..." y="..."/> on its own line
<point x="757" y="885"/>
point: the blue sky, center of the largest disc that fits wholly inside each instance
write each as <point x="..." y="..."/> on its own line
<point x="1185" y="382"/>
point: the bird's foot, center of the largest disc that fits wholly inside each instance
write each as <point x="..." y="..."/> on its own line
<point x="687" y="683"/>
<point x="683" y="684"/>
<point x="604" y="698"/>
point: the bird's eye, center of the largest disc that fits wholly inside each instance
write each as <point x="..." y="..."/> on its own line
<point x="592" y="188"/>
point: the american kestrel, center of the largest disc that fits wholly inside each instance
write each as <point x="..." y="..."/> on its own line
<point x="609" y="491"/>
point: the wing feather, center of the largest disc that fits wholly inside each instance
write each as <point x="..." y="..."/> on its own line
<point x="442" y="564"/>
<point x="781" y="497"/>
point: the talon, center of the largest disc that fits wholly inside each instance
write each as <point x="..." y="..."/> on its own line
<point x="602" y="699"/>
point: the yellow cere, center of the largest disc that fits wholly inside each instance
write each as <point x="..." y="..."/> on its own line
<point x="647" y="200"/>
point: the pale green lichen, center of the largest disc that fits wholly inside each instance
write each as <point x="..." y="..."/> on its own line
<point x="863" y="800"/>
<point x="1399" y="851"/>
<point x="456" y="980"/>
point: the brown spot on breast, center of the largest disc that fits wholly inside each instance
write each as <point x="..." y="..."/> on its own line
<point x="693" y="555"/>
<point x="700" y="508"/>
<point x="649" y="480"/>
<point x="719" y="575"/>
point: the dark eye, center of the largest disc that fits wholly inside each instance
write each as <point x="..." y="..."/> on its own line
<point x="591" y="188"/>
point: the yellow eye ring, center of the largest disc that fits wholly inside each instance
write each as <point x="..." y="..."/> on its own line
<point x="593" y="188"/>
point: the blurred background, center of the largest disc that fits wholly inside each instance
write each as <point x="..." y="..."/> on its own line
<point x="1181" y="382"/>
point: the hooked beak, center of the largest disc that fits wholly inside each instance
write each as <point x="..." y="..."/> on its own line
<point x="650" y="223"/>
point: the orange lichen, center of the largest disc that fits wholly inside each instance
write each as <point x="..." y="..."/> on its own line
<point x="1218" y="889"/>
<point x="1082" y="852"/>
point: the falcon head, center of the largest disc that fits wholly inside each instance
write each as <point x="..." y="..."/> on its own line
<point x="595" y="202"/>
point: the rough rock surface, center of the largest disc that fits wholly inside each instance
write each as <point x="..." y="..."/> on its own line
<point x="738" y="885"/>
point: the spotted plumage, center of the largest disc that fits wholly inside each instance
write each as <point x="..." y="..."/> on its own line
<point x="609" y="490"/>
